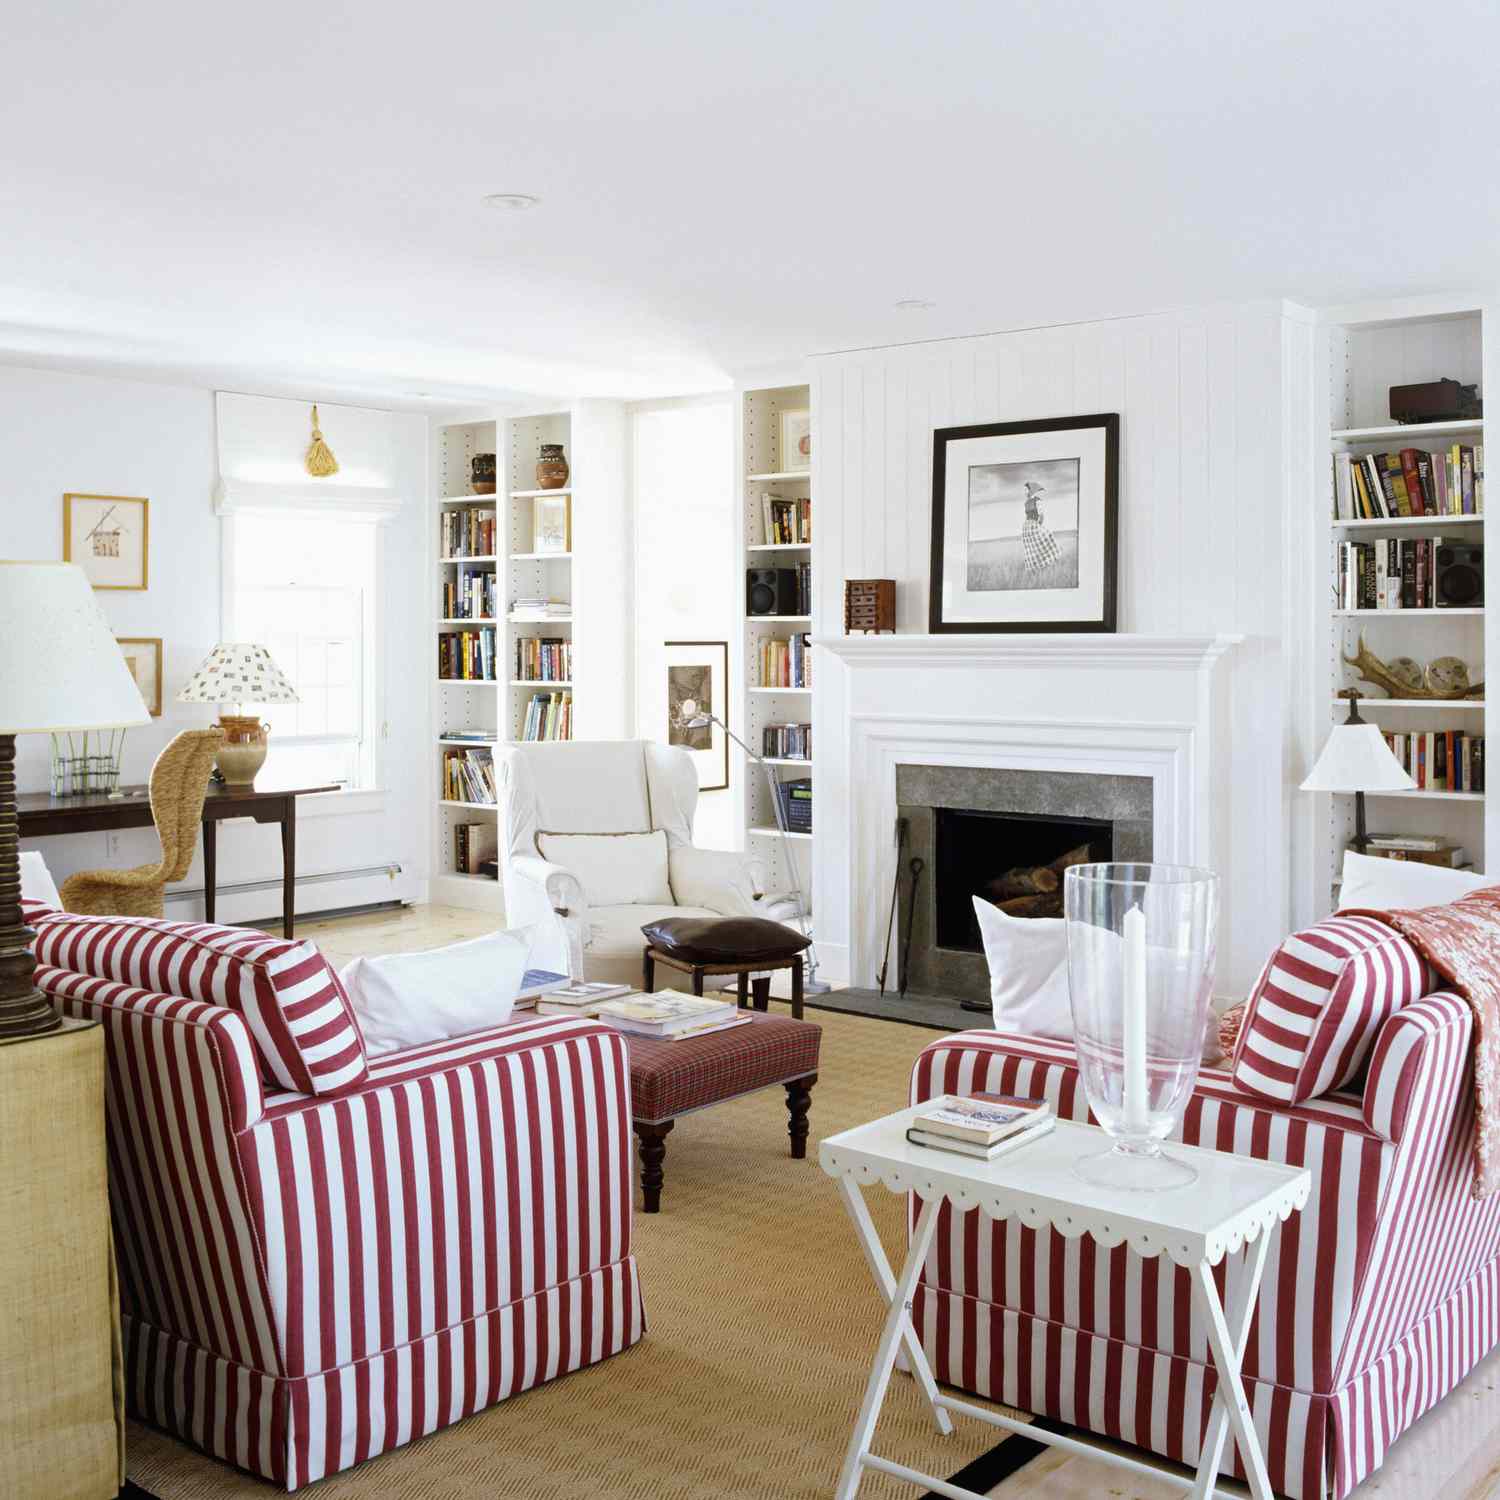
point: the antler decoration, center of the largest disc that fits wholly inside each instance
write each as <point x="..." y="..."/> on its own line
<point x="1374" y="671"/>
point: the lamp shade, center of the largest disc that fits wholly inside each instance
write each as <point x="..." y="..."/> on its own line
<point x="237" y="672"/>
<point x="60" y="666"/>
<point x="1357" y="759"/>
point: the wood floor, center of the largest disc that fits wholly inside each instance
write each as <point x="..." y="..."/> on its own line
<point x="1453" y="1452"/>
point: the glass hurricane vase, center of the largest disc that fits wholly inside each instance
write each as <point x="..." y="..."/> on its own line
<point x="1141" y="954"/>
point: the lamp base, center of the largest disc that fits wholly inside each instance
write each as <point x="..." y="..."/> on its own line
<point x="24" y="1010"/>
<point x="243" y="752"/>
<point x="1137" y="1167"/>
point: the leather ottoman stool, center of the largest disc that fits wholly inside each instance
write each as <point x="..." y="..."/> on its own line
<point x="698" y="946"/>
<point x="668" y="1079"/>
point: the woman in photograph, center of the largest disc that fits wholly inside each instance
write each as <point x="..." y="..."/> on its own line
<point x="1038" y="545"/>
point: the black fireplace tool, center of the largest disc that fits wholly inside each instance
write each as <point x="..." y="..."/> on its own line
<point x="916" y="866"/>
<point x="890" y="924"/>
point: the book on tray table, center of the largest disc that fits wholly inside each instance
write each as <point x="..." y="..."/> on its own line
<point x="983" y="1126"/>
<point x="670" y="1016"/>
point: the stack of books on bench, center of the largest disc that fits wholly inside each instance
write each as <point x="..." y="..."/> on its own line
<point x="668" y="1016"/>
<point x="580" y="998"/>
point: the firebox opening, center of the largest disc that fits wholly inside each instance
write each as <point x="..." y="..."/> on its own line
<point x="1009" y="859"/>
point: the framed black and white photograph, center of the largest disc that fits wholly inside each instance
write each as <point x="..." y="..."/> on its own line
<point x="698" y="684"/>
<point x="1024" y="520"/>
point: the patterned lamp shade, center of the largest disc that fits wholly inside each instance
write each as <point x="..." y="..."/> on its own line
<point x="235" y="672"/>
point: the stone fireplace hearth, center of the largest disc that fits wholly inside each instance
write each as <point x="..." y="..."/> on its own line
<point x="970" y="824"/>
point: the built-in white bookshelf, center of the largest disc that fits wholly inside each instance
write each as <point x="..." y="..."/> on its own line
<point x="764" y="474"/>
<point x="1365" y="351"/>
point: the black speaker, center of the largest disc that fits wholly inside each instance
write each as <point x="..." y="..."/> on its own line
<point x="770" y="591"/>
<point x="1459" y="576"/>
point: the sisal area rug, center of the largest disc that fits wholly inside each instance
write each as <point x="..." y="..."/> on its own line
<point x="762" y="1321"/>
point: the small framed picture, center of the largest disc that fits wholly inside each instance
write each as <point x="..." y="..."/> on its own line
<point x="143" y="657"/>
<point x="697" y="679"/>
<point x="108" y="536"/>
<point x="552" y="523"/>
<point x="796" y="441"/>
<point x="1024" y="524"/>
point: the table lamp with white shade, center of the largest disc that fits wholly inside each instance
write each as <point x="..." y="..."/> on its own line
<point x="60" y="669"/>
<point x="1357" y="759"/>
<point x="236" y="673"/>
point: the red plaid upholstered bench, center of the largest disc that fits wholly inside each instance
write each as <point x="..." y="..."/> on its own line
<point x="668" y="1079"/>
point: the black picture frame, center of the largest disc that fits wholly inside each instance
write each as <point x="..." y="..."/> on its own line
<point x="942" y="439"/>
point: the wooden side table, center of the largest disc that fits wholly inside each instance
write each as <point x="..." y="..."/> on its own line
<point x="61" y="1401"/>
<point x="762" y="968"/>
<point x="1236" y="1201"/>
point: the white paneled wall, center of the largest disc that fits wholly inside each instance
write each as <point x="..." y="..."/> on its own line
<point x="1202" y="496"/>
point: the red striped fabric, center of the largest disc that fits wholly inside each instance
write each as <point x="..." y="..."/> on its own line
<point x="300" y="1020"/>
<point x="33" y="912"/>
<point x="306" y="1281"/>
<point x="1318" y="1005"/>
<point x="1372" y="1266"/>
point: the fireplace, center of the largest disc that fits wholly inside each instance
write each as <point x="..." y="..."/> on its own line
<point x="971" y="828"/>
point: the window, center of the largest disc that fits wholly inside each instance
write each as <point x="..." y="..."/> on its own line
<point x="305" y="587"/>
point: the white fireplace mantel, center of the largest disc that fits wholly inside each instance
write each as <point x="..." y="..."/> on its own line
<point x="1151" y="706"/>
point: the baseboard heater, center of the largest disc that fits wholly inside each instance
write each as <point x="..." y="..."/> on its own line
<point x="248" y="887"/>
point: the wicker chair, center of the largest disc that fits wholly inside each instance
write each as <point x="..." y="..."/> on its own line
<point x="179" y="783"/>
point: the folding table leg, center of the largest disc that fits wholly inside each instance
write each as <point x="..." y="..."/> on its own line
<point x="898" y="1329"/>
<point x="1227" y="1338"/>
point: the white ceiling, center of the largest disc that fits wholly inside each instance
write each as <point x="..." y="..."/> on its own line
<point x="290" y="194"/>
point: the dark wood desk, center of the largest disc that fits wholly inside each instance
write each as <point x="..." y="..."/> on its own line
<point x="41" y="816"/>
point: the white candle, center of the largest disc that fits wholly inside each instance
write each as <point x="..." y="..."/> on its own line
<point x="1133" y="1022"/>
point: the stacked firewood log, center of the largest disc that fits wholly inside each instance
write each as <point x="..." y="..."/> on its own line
<point x="1034" y="890"/>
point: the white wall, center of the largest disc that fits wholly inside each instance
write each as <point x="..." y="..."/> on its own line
<point x="685" y="590"/>
<point x="60" y="432"/>
<point x="1202" y="495"/>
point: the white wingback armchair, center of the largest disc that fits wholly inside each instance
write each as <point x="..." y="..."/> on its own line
<point x="603" y="830"/>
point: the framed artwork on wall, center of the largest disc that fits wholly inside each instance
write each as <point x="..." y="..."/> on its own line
<point x="552" y="523"/>
<point x="143" y="657"/>
<point x="1024" y="525"/>
<point x="698" y="675"/>
<point x="108" y="536"/>
<point x="796" y="440"/>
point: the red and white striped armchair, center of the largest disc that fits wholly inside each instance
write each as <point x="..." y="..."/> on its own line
<point x="311" y="1275"/>
<point x="1378" y="1298"/>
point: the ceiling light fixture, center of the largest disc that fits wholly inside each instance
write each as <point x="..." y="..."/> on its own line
<point x="914" y="304"/>
<point x="516" y="202"/>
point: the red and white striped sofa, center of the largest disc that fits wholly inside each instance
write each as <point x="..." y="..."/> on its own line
<point x="312" y="1276"/>
<point x="1378" y="1298"/>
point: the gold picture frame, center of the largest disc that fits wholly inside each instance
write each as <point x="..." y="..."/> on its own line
<point x="143" y="656"/>
<point x="552" y="523"/>
<point x="109" y="537"/>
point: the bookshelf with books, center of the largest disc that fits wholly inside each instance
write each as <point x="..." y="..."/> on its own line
<point x="1401" y="507"/>
<point x="773" y="667"/>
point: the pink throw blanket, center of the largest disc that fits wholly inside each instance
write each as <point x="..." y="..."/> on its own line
<point x="1462" y="942"/>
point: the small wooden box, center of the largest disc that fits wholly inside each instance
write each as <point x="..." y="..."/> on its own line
<point x="869" y="604"/>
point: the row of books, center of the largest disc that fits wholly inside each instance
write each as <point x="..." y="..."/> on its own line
<point x="1441" y="760"/>
<point x="473" y="596"/>
<point x="549" y="716"/>
<point x="1419" y="848"/>
<point x="469" y="532"/>
<point x="785" y="521"/>
<point x="544" y="658"/>
<point x="1390" y="574"/>
<point x="468" y="776"/>
<point x="795" y="797"/>
<point x="786" y="741"/>
<point x="467" y="655"/>
<point x="474" y="848"/>
<point x="785" y="663"/>
<point x="1379" y="486"/>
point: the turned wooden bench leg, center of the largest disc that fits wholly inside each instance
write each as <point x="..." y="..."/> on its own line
<point x="653" y="1143"/>
<point x="798" y="1102"/>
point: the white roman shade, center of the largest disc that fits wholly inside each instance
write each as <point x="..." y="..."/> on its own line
<point x="263" y="441"/>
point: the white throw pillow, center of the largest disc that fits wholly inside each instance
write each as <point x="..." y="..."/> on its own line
<point x="408" y="999"/>
<point x="1372" y="884"/>
<point x="1028" y="960"/>
<point x="614" y="869"/>
<point x="36" y="880"/>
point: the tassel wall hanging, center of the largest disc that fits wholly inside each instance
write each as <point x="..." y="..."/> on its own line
<point x="320" y="460"/>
